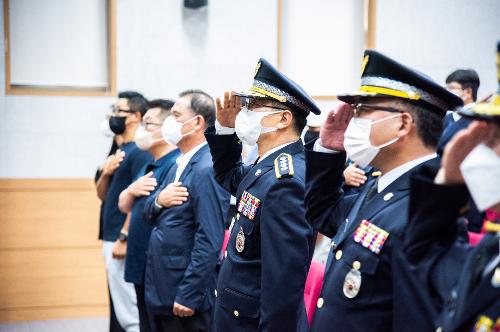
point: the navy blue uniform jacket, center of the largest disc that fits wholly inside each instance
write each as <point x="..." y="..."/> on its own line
<point x="339" y="216"/>
<point x="185" y="245"/>
<point x="442" y="282"/>
<point x="261" y="286"/>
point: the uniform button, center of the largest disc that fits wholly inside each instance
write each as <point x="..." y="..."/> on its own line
<point x="215" y="292"/>
<point x="439" y="329"/>
<point x="225" y="254"/>
<point x="338" y="254"/>
<point x="320" y="302"/>
<point x="334" y="245"/>
<point x="356" y="265"/>
<point x="238" y="216"/>
<point x="236" y="313"/>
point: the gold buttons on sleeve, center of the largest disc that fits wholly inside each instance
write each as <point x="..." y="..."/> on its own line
<point x="338" y="254"/>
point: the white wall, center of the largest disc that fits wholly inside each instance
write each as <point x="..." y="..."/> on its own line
<point x="163" y="49"/>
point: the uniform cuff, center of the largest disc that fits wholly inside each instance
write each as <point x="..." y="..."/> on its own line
<point x="221" y="130"/>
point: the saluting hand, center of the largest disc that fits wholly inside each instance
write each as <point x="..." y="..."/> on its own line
<point x="143" y="186"/>
<point x="182" y="311"/>
<point x="173" y="194"/>
<point x="113" y="162"/>
<point x="332" y="131"/>
<point x="354" y="176"/>
<point x="457" y="149"/>
<point x="227" y="112"/>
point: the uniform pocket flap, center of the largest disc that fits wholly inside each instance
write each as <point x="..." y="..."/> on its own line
<point x="175" y="262"/>
<point x="240" y="304"/>
<point x="246" y="225"/>
<point x="363" y="260"/>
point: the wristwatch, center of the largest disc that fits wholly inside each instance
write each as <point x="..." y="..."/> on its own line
<point x="123" y="236"/>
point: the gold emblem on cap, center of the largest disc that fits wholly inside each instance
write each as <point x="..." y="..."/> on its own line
<point x="366" y="58"/>
<point x="257" y="68"/>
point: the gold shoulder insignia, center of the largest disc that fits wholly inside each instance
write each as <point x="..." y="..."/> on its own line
<point x="283" y="166"/>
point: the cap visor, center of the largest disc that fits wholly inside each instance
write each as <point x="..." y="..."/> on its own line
<point x="357" y="96"/>
<point x="250" y="94"/>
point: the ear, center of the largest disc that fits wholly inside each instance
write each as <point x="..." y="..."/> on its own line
<point x="286" y="120"/>
<point x="200" y="122"/>
<point x="468" y="92"/>
<point x="407" y="124"/>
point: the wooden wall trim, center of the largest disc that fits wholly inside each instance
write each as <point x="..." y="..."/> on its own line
<point x="110" y="90"/>
<point x="56" y="184"/>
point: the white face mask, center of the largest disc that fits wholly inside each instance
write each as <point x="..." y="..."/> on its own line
<point x="357" y="142"/>
<point x="248" y="127"/>
<point x="481" y="172"/>
<point x="144" y="139"/>
<point x="172" y="130"/>
<point x="105" y="130"/>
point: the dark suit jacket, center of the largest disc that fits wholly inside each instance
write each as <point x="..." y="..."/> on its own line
<point x="185" y="245"/>
<point x="451" y="128"/>
<point x="261" y="286"/>
<point x="339" y="216"/>
<point x="453" y="294"/>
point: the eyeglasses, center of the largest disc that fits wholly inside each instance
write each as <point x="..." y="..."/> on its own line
<point x="252" y="103"/>
<point x="360" y="108"/>
<point x="116" y="110"/>
<point x="148" y="124"/>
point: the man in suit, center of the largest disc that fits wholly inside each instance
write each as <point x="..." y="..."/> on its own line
<point x="261" y="280"/>
<point x="148" y="138"/>
<point x="188" y="212"/>
<point x="458" y="286"/>
<point x="393" y="124"/>
<point x="464" y="83"/>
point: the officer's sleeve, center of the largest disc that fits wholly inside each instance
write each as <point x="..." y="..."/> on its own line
<point x="323" y="196"/>
<point x="226" y="156"/>
<point x="285" y="240"/>
<point x="210" y="207"/>
<point x="433" y="213"/>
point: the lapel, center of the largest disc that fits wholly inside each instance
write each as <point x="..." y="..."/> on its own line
<point x="453" y="128"/>
<point x="397" y="190"/>
<point x="194" y="159"/>
<point x="473" y="300"/>
<point x="266" y="165"/>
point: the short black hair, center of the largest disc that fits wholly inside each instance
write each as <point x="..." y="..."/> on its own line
<point x="201" y="104"/>
<point x="136" y="101"/>
<point x="468" y="78"/>
<point x="165" y="105"/>
<point x="429" y="124"/>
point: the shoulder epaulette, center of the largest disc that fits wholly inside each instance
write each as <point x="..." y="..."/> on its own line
<point x="283" y="166"/>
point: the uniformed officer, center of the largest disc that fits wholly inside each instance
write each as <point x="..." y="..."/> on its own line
<point x="261" y="281"/>
<point x="395" y="127"/>
<point x="459" y="286"/>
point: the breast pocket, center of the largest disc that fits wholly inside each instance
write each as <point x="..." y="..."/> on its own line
<point x="358" y="276"/>
<point x="246" y="241"/>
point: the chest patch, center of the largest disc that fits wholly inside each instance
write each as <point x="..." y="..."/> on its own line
<point x="370" y="236"/>
<point x="248" y="205"/>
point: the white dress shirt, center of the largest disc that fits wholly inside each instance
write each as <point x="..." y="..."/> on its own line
<point x="184" y="159"/>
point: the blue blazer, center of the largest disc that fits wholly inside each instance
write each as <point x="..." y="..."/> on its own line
<point x="261" y="280"/>
<point x="441" y="281"/>
<point x="185" y="244"/>
<point x="451" y="128"/>
<point x="342" y="307"/>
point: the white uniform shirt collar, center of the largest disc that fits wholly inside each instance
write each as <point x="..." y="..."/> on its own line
<point x="386" y="179"/>
<point x="457" y="116"/>
<point x="184" y="159"/>
<point x="270" y="152"/>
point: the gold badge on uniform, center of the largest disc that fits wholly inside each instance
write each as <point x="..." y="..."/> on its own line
<point x="483" y="324"/>
<point x="240" y="240"/>
<point x="352" y="283"/>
